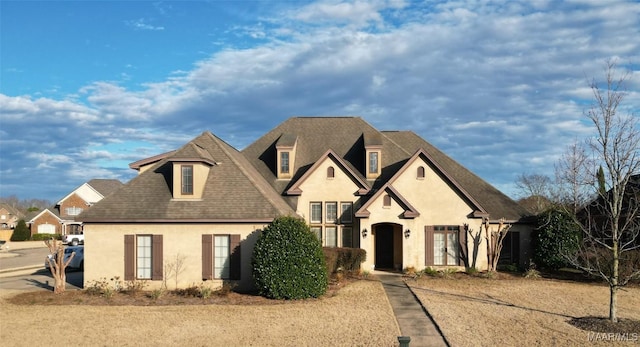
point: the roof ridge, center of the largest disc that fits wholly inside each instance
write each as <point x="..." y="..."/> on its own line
<point x="244" y="168"/>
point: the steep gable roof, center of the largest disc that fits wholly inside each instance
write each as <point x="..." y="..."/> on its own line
<point x="233" y="192"/>
<point x="357" y="179"/>
<point x="484" y="196"/>
<point x="50" y="210"/>
<point x="347" y="138"/>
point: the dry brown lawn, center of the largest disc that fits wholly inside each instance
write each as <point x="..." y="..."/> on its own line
<point x="515" y="311"/>
<point x="357" y="315"/>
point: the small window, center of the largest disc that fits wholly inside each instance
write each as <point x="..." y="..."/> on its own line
<point x="187" y="179"/>
<point x="373" y="162"/>
<point x="316" y="212"/>
<point x="318" y="232"/>
<point x="347" y="237"/>
<point x="332" y="212"/>
<point x="420" y="172"/>
<point x="386" y="201"/>
<point x="346" y="212"/>
<point x="143" y="257"/>
<point x="331" y="237"/>
<point x="284" y="162"/>
<point x="331" y="172"/>
<point x="221" y="257"/>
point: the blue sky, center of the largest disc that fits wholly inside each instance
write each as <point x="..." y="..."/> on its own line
<point x="87" y="87"/>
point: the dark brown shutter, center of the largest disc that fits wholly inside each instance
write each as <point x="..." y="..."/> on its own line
<point x="207" y="257"/>
<point x="156" y="258"/>
<point x="462" y="240"/>
<point x="129" y="257"/>
<point x="235" y="260"/>
<point x="428" y="245"/>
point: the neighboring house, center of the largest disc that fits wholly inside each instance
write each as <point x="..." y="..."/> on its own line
<point x="61" y="218"/>
<point x="9" y="216"/>
<point x="390" y="193"/>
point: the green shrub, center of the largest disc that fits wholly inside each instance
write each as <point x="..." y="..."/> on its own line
<point x="555" y="239"/>
<point x="346" y="259"/>
<point x="21" y="232"/>
<point x="429" y="271"/>
<point x="288" y="262"/>
<point x="43" y="237"/>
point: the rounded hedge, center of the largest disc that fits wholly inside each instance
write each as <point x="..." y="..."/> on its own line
<point x="555" y="239"/>
<point x="288" y="262"/>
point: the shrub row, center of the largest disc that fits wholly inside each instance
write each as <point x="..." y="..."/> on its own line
<point x="43" y="237"/>
<point x="347" y="259"/>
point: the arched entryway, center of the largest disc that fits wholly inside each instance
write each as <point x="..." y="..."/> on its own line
<point x="388" y="246"/>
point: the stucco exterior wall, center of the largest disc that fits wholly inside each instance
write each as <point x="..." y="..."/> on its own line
<point x="104" y="250"/>
<point x="438" y="204"/>
<point x="200" y="174"/>
<point x="318" y="188"/>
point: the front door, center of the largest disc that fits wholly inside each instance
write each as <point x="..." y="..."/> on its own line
<point x="384" y="247"/>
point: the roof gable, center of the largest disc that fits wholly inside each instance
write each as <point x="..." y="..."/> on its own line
<point x="344" y="167"/>
<point x="43" y="212"/>
<point x="409" y="210"/>
<point x="233" y="191"/>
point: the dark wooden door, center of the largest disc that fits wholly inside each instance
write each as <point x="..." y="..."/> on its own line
<point x="384" y="247"/>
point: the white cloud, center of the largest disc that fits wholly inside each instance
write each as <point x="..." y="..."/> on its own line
<point x="497" y="84"/>
<point x="141" y="24"/>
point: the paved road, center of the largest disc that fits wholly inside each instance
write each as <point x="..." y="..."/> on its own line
<point x="23" y="257"/>
<point x="40" y="279"/>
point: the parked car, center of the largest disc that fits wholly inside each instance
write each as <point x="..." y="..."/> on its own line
<point x="73" y="239"/>
<point x="76" y="263"/>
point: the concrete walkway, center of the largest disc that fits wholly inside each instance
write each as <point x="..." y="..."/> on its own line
<point x="412" y="317"/>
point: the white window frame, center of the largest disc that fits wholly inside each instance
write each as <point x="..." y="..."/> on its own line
<point x="331" y="212"/>
<point x="73" y="210"/>
<point x="346" y="212"/>
<point x="221" y="256"/>
<point x="144" y="256"/>
<point x="331" y="236"/>
<point x="311" y="213"/>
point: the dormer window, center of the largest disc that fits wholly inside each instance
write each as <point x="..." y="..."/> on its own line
<point x="286" y="155"/>
<point x="284" y="162"/>
<point x="373" y="162"/>
<point x="187" y="180"/>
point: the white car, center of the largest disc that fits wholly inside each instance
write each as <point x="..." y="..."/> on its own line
<point x="76" y="263"/>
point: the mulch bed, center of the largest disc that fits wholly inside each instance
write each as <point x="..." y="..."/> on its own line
<point x="605" y="326"/>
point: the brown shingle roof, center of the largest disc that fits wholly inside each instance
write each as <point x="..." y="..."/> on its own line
<point x="348" y="136"/>
<point x="234" y="191"/>
<point x="105" y="186"/>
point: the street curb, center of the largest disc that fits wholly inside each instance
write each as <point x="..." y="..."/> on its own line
<point x="18" y="271"/>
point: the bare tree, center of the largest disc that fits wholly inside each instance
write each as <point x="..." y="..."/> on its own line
<point x="57" y="264"/>
<point x="610" y="223"/>
<point x="573" y="178"/>
<point x="494" y="238"/>
<point x="536" y="191"/>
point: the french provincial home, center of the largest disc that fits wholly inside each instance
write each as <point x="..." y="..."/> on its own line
<point x="391" y="193"/>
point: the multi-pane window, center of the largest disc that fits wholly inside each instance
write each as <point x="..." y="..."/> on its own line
<point x="284" y="162"/>
<point x="187" y="179"/>
<point x="347" y="237"/>
<point x="445" y="245"/>
<point x="346" y="214"/>
<point x="73" y="211"/>
<point x="332" y="212"/>
<point x="221" y="257"/>
<point x="333" y="226"/>
<point x="143" y="257"/>
<point x="331" y="237"/>
<point x="316" y="212"/>
<point x="318" y="232"/>
<point x="373" y="162"/>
